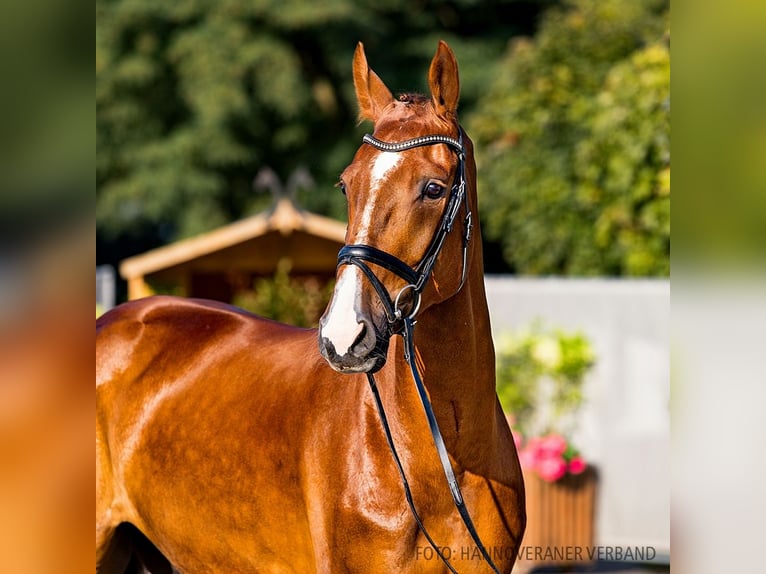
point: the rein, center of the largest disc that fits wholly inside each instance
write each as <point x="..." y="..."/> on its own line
<point x="416" y="279"/>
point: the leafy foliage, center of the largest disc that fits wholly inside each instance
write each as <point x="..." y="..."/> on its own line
<point x="287" y="299"/>
<point x="575" y="135"/>
<point x="193" y="97"/>
<point x="539" y="377"/>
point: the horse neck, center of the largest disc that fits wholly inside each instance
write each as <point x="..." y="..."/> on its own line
<point x="454" y="343"/>
<point x="454" y="339"/>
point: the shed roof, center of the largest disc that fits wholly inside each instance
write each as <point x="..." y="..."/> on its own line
<point x="256" y="243"/>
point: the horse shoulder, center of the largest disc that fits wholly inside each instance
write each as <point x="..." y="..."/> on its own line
<point x="160" y="351"/>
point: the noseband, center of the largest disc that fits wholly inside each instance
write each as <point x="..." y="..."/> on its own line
<point x="417" y="277"/>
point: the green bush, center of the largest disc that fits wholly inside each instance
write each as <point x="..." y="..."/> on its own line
<point x="540" y="373"/>
<point x="296" y="301"/>
<point x="573" y="140"/>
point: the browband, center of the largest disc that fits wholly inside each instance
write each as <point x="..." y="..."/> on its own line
<point x="457" y="145"/>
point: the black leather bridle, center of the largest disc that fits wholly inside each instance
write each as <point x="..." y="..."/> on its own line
<point x="399" y="323"/>
<point x="417" y="277"/>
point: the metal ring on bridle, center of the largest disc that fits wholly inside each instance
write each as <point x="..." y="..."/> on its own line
<point x="415" y="309"/>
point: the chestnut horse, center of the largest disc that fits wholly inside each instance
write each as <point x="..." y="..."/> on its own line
<point x="229" y="443"/>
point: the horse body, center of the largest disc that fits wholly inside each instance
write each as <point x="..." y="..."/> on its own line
<point x="201" y="433"/>
<point x="232" y="445"/>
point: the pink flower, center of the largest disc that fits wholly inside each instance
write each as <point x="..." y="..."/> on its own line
<point x="551" y="469"/>
<point x="545" y="456"/>
<point x="577" y="465"/>
<point x="528" y="458"/>
<point x="552" y="445"/>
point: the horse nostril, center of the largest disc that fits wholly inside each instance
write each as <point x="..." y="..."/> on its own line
<point x="360" y="336"/>
<point x="365" y="339"/>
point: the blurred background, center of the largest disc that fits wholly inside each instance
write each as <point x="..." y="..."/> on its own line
<point x="222" y="128"/>
<point x="576" y="89"/>
<point x="568" y="104"/>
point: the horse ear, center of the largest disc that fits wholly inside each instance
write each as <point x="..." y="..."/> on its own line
<point x="371" y="93"/>
<point x="444" y="81"/>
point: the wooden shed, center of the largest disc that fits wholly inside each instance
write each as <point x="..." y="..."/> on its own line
<point x="219" y="263"/>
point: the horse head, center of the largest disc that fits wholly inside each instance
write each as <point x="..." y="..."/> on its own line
<point x="405" y="189"/>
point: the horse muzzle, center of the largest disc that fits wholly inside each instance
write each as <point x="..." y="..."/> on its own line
<point x="362" y="349"/>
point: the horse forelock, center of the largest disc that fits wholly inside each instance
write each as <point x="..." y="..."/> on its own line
<point x="412" y="114"/>
<point x="413" y="98"/>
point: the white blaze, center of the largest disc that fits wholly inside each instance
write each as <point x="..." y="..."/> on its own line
<point x="384" y="163"/>
<point x="341" y="327"/>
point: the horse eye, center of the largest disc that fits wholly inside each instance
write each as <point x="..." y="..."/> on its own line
<point x="433" y="190"/>
<point x="342" y="185"/>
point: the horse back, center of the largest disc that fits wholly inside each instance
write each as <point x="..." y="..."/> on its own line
<point x="146" y="343"/>
<point x="193" y="393"/>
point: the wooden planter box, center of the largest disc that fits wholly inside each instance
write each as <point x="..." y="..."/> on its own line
<point x="560" y="521"/>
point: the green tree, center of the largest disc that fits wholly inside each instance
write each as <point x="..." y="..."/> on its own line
<point x="574" y="141"/>
<point x="193" y="97"/>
